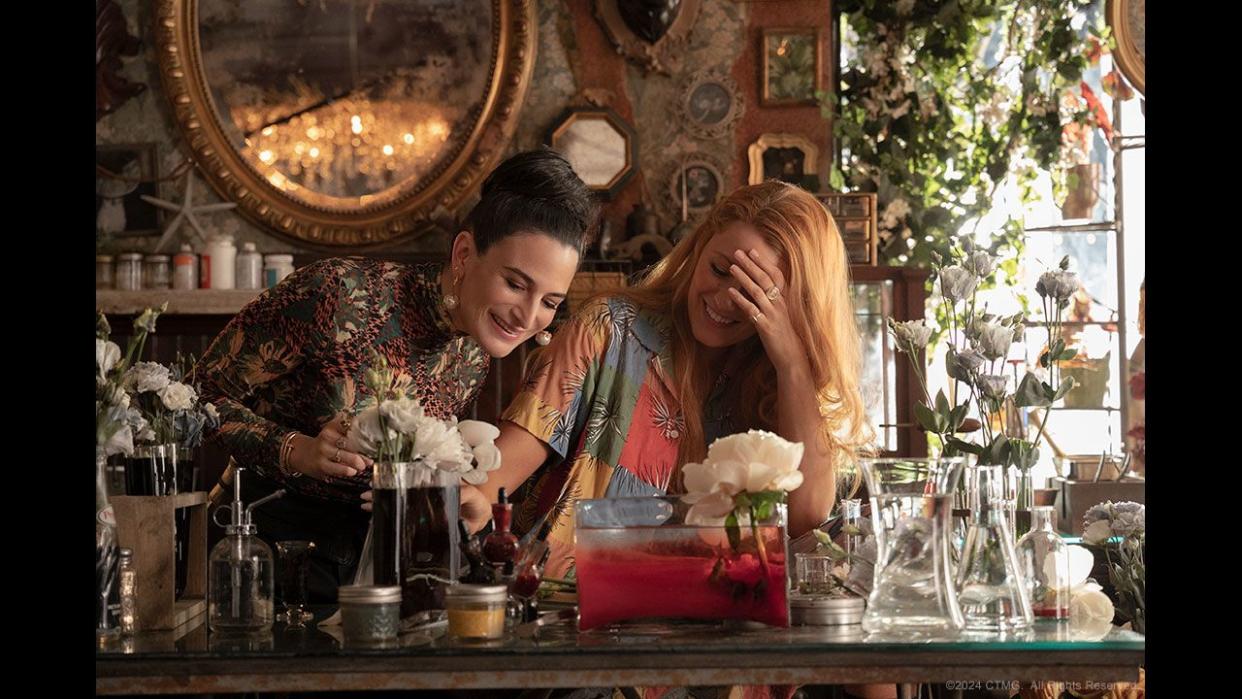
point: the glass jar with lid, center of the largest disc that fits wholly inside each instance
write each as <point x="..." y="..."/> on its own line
<point x="105" y="272"/>
<point x="129" y="272"/>
<point x="156" y="273"/>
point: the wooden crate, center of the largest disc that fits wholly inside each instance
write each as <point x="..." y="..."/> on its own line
<point x="855" y="214"/>
<point x="145" y="525"/>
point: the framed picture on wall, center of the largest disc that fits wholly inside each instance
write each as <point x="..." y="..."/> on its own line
<point x="791" y="69"/>
<point x="710" y="104"/>
<point x="786" y="157"/>
<point x="694" y="185"/>
<point x="124" y="172"/>
<point x="600" y="145"/>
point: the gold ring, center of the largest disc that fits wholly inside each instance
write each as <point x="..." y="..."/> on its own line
<point x="336" y="458"/>
<point x="340" y="443"/>
<point x="773" y="292"/>
<point x="346" y="422"/>
<point x="755" y="318"/>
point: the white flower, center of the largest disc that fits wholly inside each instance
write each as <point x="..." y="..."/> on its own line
<point x="476" y="432"/>
<point x="402" y="415"/>
<point x="107" y="354"/>
<point x="438" y="443"/>
<point x="212" y="413"/>
<point x="147" y="376"/>
<point x="911" y="334"/>
<point x="994" y="340"/>
<point x="957" y="283"/>
<point x="981" y="263"/>
<point x="1057" y="284"/>
<point x="758" y="447"/>
<point x="177" y="396"/>
<point x="1097" y="533"/>
<point x="753" y="462"/>
<point x="1089" y="603"/>
<point x="992" y="386"/>
<point x="365" y="435"/>
<point x="121" y="442"/>
<point x="486" y="458"/>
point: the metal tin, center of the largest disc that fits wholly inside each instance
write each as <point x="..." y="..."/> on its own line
<point x="816" y="610"/>
<point x="368" y="594"/>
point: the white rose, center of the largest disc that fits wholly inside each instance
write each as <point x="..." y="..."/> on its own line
<point x="177" y="396"/>
<point x="476" y="432"/>
<point x="757" y="446"/>
<point x="107" y="354"/>
<point x="212" y="413"/>
<point x="1097" y="533"/>
<point x="147" y="376"/>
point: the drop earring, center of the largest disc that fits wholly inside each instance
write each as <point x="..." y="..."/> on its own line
<point x="543" y="337"/>
<point x="450" y="299"/>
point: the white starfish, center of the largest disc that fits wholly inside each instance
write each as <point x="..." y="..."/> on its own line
<point x="185" y="210"/>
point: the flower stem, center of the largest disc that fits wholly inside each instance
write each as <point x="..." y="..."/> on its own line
<point x="763" y="552"/>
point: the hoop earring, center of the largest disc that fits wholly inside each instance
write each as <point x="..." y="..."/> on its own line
<point x="543" y="337"/>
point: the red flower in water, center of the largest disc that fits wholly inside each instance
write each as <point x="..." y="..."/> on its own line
<point x="1138" y="386"/>
<point x="1096" y="50"/>
<point x="1115" y="85"/>
<point x="1097" y="111"/>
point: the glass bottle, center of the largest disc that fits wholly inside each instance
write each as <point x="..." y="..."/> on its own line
<point x="240" y="571"/>
<point x="129" y="592"/>
<point x="107" y="589"/>
<point x="991" y="587"/>
<point x="501" y="546"/>
<point x="1044" y="558"/>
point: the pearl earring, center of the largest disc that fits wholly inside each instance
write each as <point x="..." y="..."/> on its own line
<point x="543" y="337"/>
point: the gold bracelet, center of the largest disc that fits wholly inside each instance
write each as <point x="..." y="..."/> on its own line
<point x="286" y="451"/>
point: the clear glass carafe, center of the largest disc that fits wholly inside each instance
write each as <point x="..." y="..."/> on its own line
<point x="991" y="587"/>
<point x="911" y="504"/>
<point x="240" y="571"/>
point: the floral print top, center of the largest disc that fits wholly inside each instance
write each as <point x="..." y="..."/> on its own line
<point x="296" y="357"/>
<point x="601" y="396"/>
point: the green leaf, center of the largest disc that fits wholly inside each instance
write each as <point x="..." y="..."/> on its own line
<point x="926" y="418"/>
<point x="1067" y="385"/>
<point x="1067" y="355"/>
<point x="731" y="529"/>
<point x="997" y="452"/>
<point x="942" y="404"/>
<point x="965" y="446"/>
<point x="1030" y="393"/>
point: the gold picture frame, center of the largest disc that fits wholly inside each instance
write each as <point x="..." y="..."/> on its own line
<point x="782" y="156"/>
<point x="1127" y="18"/>
<point x="791" y="67"/>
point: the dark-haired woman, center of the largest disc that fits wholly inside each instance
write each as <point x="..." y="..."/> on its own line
<point x="288" y="371"/>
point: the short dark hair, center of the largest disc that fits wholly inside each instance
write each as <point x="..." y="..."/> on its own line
<point x="535" y="191"/>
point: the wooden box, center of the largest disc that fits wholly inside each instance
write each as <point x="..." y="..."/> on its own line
<point x="855" y="214"/>
<point x="145" y="524"/>
<point x="1076" y="497"/>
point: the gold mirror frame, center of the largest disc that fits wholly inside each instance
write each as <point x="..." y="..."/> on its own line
<point x="425" y="206"/>
<point x="1123" y="16"/>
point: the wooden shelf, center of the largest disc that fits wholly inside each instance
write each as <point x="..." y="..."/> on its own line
<point x="183" y="302"/>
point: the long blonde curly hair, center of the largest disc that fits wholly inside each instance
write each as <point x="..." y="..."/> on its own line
<point x="803" y="233"/>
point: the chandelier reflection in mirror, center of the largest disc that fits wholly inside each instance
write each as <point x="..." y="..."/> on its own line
<point x="339" y="102"/>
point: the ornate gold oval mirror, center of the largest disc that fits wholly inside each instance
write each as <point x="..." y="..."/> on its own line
<point x="346" y="122"/>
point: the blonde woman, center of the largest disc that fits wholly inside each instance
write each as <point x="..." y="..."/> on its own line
<point x="747" y="323"/>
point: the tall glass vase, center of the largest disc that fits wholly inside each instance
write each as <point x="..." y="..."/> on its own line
<point x="415" y="540"/>
<point x="911" y="508"/>
<point x="107" y="587"/>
